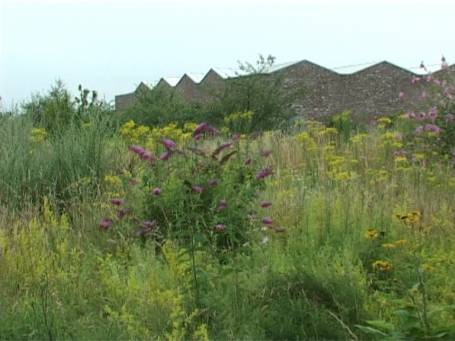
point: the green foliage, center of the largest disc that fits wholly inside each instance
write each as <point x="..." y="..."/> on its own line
<point x="254" y="90"/>
<point x="360" y="246"/>
<point x="55" y="111"/>
<point x="161" y="106"/>
<point x="65" y="166"/>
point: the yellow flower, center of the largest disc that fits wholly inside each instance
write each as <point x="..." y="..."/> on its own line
<point x="38" y="135"/>
<point x="306" y="140"/>
<point x="113" y="180"/>
<point x="382" y="265"/>
<point x="389" y="246"/>
<point x="410" y="218"/>
<point x="371" y="234"/>
<point x="401" y="242"/>
<point x="384" y="121"/>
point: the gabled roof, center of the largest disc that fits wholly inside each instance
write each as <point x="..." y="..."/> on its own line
<point x="382" y="63"/>
<point x="185" y="79"/>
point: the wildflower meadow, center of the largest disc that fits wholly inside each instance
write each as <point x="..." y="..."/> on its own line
<point x="113" y="230"/>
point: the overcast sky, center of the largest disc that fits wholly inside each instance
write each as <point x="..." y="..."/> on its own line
<point x="111" y="46"/>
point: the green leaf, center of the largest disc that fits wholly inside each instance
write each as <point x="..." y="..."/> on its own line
<point x="381" y="325"/>
<point x="370" y="330"/>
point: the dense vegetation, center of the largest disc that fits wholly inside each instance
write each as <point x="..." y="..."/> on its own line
<point x="118" y="230"/>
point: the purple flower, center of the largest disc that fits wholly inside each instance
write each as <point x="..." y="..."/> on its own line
<point x="146" y="227"/>
<point x="263" y="173"/>
<point x="117" y="201"/>
<point x="197" y="189"/>
<point x="148" y="156"/>
<point x="122" y="212"/>
<point x="204" y="127"/>
<point x="432" y="113"/>
<point x="156" y="191"/>
<point x="136" y="149"/>
<point x="265" y="204"/>
<point x="166" y="155"/>
<point x="220" y="227"/>
<point x="432" y="128"/>
<point x="401" y="95"/>
<point x="421" y="116"/>
<point x="221" y="148"/>
<point x="168" y="144"/>
<point x="267" y="221"/>
<point x="105" y="224"/>
<point x="222" y="205"/>
<point x="213" y="182"/>
<point x="419" y="130"/>
<point x="409" y="114"/>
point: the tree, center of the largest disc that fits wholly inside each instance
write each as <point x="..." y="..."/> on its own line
<point x="257" y="90"/>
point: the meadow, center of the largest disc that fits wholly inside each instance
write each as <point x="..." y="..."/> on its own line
<point x="113" y="230"/>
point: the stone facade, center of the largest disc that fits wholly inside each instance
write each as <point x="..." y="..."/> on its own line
<point x="367" y="93"/>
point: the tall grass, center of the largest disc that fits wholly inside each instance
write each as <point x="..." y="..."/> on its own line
<point x="344" y="202"/>
<point x="61" y="167"/>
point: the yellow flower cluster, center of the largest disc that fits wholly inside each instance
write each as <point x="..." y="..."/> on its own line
<point x="384" y="122"/>
<point x="398" y="243"/>
<point x="134" y="133"/>
<point x="382" y="266"/>
<point x="307" y="141"/>
<point x="38" y="135"/>
<point x="410" y="218"/>
<point x="371" y="234"/>
<point x="245" y="116"/>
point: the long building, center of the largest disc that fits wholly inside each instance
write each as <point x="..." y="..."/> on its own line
<point x="368" y="92"/>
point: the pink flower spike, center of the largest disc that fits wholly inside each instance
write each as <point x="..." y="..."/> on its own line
<point x="197" y="189"/>
<point x="221" y="147"/>
<point x="220" y="227"/>
<point x="168" y="144"/>
<point x="148" y="156"/>
<point x="263" y="173"/>
<point x="166" y="155"/>
<point x="432" y="128"/>
<point x="146" y="227"/>
<point x="105" y="224"/>
<point x="117" y="201"/>
<point x="122" y="212"/>
<point x="222" y="205"/>
<point x="267" y="221"/>
<point x="204" y="128"/>
<point x="401" y="95"/>
<point x="265" y="204"/>
<point x="156" y="191"/>
<point x="136" y="150"/>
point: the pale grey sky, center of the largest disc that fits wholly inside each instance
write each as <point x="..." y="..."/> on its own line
<point x="111" y="46"/>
